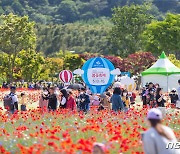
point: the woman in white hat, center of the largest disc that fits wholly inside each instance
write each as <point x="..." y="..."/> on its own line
<point x="157" y="138"/>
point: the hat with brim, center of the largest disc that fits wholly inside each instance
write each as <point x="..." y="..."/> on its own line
<point x="154" y="114"/>
<point x="173" y="90"/>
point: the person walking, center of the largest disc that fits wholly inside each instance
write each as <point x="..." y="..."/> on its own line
<point x="71" y="103"/>
<point x="83" y="100"/>
<point x="14" y="98"/>
<point x="104" y="100"/>
<point x="117" y="103"/>
<point x="157" y="137"/>
<point x="64" y="98"/>
<point x="52" y="103"/>
<point x="11" y="101"/>
<point x="125" y="99"/>
<point x="23" y="102"/>
<point x="44" y="99"/>
<point x="160" y="98"/>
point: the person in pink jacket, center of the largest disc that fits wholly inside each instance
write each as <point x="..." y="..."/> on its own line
<point x="71" y="103"/>
<point x="43" y="101"/>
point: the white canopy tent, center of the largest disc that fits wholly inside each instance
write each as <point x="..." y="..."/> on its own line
<point x="163" y="72"/>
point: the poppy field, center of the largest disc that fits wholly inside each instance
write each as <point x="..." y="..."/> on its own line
<point x="70" y="132"/>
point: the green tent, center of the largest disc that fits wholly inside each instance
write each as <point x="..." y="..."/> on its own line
<point x="163" y="72"/>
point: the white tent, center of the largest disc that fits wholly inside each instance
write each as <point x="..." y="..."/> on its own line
<point x="163" y="72"/>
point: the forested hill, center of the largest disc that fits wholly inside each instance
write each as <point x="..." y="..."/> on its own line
<point x="68" y="11"/>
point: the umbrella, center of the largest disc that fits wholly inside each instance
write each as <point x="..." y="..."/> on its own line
<point x="75" y="86"/>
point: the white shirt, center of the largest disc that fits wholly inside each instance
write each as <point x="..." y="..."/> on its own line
<point x="63" y="101"/>
<point x="154" y="143"/>
<point x="14" y="97"/>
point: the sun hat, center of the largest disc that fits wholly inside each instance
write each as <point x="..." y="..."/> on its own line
<point x="173" y="90"/>
<point x="154" y="113"/>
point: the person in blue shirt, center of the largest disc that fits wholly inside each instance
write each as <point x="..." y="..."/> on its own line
<point x="83" y="100"/>
<point x="117" y="103"/>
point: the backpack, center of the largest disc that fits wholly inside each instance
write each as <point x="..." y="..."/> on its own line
<point x="8" y="103"/>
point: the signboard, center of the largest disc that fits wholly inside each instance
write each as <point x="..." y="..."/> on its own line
<point x="98" y="74"/>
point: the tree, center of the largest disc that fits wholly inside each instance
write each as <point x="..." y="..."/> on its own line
<point x="116" y="61"/>
<point x="3" y="66"/>
<point x="134" y="63"/>
<point x="30" y="64"/>
<point x="80" y="37"/>
<point x="164" y="35"/>
<point x="129" y="24"/>
<point x="138" y="62"/>
<point x="173" y="59"/>
<point x="73" y="61"/>
<point x="55" y="65"/>
<point x="168" y="5"/>
<point x="16" y="34"/>
<point x="68" y="11"/>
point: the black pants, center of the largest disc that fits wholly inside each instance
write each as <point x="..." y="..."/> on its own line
<point x="144" y="100"/>
<point x="14" y="107"/>
<point x="82" y="107"/>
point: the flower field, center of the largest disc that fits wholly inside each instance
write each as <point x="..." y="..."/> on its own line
<point x="68" y="132"/>
<point x="71" y="132"/>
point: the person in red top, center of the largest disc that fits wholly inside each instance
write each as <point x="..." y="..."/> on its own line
<point x="71" y="103"/>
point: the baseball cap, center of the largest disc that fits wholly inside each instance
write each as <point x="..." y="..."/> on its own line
<point x="154" y="113"/>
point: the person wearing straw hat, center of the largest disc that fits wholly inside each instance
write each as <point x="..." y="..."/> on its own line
<point x="157" y="138"/>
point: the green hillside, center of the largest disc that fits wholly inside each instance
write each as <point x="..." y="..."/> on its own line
<point x="78" y="25"/>
<point x="68" y="11"/>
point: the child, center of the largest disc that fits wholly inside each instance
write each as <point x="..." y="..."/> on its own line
<point x="125" y="99"/>
<point x="23" y="102"/>
<point x="132" y="98"/>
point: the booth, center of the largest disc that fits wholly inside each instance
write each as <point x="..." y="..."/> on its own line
<point x="163" y="72"/>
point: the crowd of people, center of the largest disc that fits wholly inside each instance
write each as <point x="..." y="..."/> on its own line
<point x="53" y="98"/>
<point x="152" y="95"/>
<point x="116" y="99"/>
